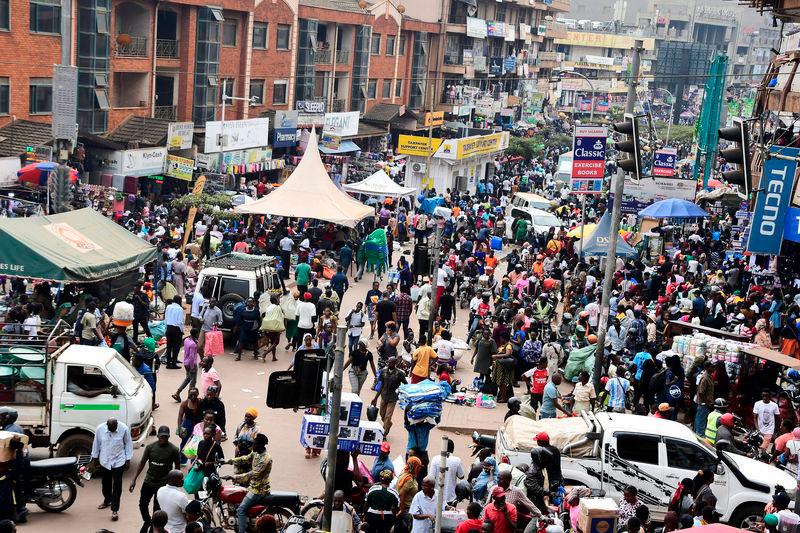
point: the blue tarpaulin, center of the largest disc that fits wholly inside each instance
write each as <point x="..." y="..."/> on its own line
<point x="344" y="147"/>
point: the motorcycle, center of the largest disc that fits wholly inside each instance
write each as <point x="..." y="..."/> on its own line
<point x="466" y="291"/>
<point x="52" y="484"/>
<point x="221" y="501"/>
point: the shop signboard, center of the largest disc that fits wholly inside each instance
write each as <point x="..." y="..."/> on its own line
<point x="434" y="119"/>
<point x="457" y="149"/>
<point x="495" y="29"/>
<point x="341" y="124"/>
<point x="772" y="202"/>
<point x="65" y="102"/>
<point x="312" y="107"/>
<point x="476" y="28"/>
<point x="179" y="135"/>
<point x="417" y="145"/>
<point x="468" y="57"/>
<point x="509" y="63"/>
<point x="496" y="66"/>
<point x="331" y="140"/>
<point x="285" y="129"/>
<point x="791" y="229"/>
<point x="511" y="33"/>
<point x="181" y="168"/>
<point x="237" y="134"/>
<point x="664" y="162"/>
<point x="588" y="159"/>
<point x="137" y="163"/>
<point x="641" y="193"/>
<point x="203" y="161"/>
<point x="479" y="63"/>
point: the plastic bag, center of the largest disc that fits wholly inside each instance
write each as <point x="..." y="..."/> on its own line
<point x="289" y="306"/>
<point x="157" y="329"/>
<point x="190" y="448"/>
<point x="214" y="345"/>
<point x="273" y="320"/>
<point x="580" y="359"/>
<point x="193" y="480"/>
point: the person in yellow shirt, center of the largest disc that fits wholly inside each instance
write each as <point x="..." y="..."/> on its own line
<point x="422" y="359"/>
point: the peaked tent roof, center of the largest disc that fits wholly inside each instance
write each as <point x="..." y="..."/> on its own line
<point x="310" y="193"/>
<point x="597" y="243"/>
<point x="77" y="246"/>
<point x="379" y="184"/>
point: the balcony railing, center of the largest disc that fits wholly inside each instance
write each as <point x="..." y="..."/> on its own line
<point x="322" y="56"/>
<point x="132" y="46"/>
<point x="167" y="49"/>
<point x="342" y="57"/>
<point x="165" y="112"/>
<point x="339" y="105"/>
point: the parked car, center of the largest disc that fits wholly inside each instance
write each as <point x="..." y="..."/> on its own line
<point x="538" y="220"/>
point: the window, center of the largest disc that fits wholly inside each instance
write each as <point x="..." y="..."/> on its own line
<point x="500" y="13"/>
<point x="236" y="286"/>
<point x="229" y="33"/>
<point x="5" y="16"/>
<point x="687" y="456"/>
<point x="226" y="84"/>
<point x="282" y="37"/>
<point x="279" y="92"/>
<point x="41" y="101"/>
<point x="257" y="90"/>
<point x="216" y="14"/>
<point x="5" y="95"/>
<point x="102" y="22"/>
<point x="102" y="99"/>
<point x="46" y="16"/>
<point x="260" y="34"/>
<point x="402" y="49"/>
<point x="376" y="44"/>
<point x="637" y="448"/>
<point x="398" y="88"/>
<point x="387" y="89"/>
<point x="101" y="80"/>
<point x="372" y="89"/>
<point x="390" y="40"/>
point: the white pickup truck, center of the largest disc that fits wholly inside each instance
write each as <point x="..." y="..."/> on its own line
<point x="63" y="391"/>
<point x="611" y="451"/>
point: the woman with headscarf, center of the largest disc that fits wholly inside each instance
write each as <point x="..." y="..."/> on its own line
<point x="407" y="486"/>
<point x="480" y="489"/>
<point x="245" y="437"/>
<point x="762" y="334"/>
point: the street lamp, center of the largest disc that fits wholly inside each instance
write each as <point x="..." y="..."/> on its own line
<point x="562" y="73"/>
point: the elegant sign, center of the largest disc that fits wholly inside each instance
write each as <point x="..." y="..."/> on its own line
<point x="237" y="134"/>
<point x="341" y="124"/>
<point x="772" y="202"/>
<point x="179" y="135"/>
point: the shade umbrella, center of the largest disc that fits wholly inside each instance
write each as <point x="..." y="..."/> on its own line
<point x="575" y="233"/>
<point x="715" y="183"/>
<point x="37" y="173"/>
<point x="673" y="208"/>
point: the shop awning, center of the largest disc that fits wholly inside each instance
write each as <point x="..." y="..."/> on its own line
<point x="345" y="147"/>
<point x="379" y="184"/>
<point x="75" y="247"/>
<point x="310" y="193"/>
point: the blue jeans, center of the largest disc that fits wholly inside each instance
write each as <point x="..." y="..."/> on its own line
<point x="352" y="342"/>
<point x="701" y="419"/>
<point x="249" y="500"/>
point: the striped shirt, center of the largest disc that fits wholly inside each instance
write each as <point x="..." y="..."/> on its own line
<point x="617" y="388"/>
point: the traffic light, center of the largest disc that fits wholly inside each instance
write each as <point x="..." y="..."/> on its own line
<point x="630" y="147"/>
<point x="738" y="154"/>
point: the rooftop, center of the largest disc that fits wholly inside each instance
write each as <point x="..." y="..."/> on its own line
<point x="144" y="131"/>
<point x="19" y="134"/>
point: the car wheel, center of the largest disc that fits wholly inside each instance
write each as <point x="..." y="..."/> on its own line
<point x="228" y="303"/>
<point x="747" y="515"/>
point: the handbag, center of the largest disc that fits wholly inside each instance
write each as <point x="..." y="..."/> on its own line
<point x="214" y="345"/>
<point x="194" y="479"/>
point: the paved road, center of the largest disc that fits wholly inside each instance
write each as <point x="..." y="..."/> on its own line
<point x="244" y="385"/>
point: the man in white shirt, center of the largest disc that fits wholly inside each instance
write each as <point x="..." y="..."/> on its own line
<point x="112" y="451"/>
<point x="454" y="470"/>
<point x="767" y="415"/>
<point x="173" y="501"/>
<point x="423" y="507"/>
<point x="306" y="312"/>
<point x="593" y="308"/>
<point x="174" y="318"/>
<point x="198" y="303"/>
<point x="286" y="244"/>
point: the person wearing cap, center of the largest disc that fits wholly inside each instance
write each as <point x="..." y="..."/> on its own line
<point x="382" y="502"/>
<point x="160" y="457"/>
<point x="306" y="312"/>
<point x="383" y="461"/>
<point x="245" y="435"/>
<point x="502" y="514"/>
<point x="712" y="421"/>
<point x="551" y="461"/>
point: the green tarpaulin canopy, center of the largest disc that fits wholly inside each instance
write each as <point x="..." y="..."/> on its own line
<point x="74" y="247"/>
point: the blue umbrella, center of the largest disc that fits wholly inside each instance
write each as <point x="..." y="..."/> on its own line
<point x="673" y="208"/>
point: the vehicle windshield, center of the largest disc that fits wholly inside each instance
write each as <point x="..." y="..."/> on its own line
<point x="128" y="379"/>
<point x="547" y="220"/>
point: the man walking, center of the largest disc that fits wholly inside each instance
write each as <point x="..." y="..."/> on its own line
<point x="339" y="282"/>
<point x="174" y="318"/>
<point x="112" y="450"/>
<point x="402" y="310"/>
<point x="210" y="317"/>
<point x="390" y="378"/>
<point x="161" y="457"/>
<point x="705" y="399"/>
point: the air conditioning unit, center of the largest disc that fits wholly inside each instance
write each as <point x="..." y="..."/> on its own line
<point x="419" y="168"/>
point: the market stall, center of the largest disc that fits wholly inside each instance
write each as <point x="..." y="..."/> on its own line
<point x="379" y="184"/>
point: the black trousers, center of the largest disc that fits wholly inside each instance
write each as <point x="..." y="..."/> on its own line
<point x="112" y="486"/>
<point x="380" y="524"/>
<point x="140" y="321"/>
<point x="174" y="335"/>
<point x="147" y="493"/>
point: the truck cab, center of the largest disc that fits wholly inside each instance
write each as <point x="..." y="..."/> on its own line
<point x="611" y="451"/>
<point x="63" y="396"/>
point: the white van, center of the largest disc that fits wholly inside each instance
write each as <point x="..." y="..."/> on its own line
<point x="538" y="221"/>
<point x="528" y="199"/>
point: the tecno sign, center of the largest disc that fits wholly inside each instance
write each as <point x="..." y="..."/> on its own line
<point x="773" y="196"/>
<point x="772" y="202"/>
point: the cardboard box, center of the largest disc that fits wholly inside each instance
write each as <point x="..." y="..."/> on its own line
<point x="598" y="515"/>
<point x="349" y="433"/>
<point x="315" y="425"/>
<point x="350" y="409"/>
<point x="321" y="443"/>
<point x="370" y="432"/>
<point x="7" y="453"/>
<point x="369" y="449"/>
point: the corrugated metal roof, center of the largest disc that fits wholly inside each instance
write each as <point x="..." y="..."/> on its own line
<point x="336" y="5"/>
<point x="19" y="134"/>
<point x="145" y="131"/>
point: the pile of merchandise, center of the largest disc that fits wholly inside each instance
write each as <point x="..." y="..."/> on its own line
<point x="423" y="400"/>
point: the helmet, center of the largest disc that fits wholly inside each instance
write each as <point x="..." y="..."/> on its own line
<point x="463" y="490"/>
<point x="720" y="403"/>
<point x="726" y="420"/>
<point x="592" y="338"/>
<point x="372" y="413"/>
<point x="514" y="404"/>
<point x="8" y="415"/>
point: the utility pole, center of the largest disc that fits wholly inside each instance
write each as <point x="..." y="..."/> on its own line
<point x="335" y="387"/>
<point x="430" y="139"/>
<point x="440" y="486"/>
<point x="437" y="242"/>
<point x="221" y="140"/>
<point x="616" y="213"/>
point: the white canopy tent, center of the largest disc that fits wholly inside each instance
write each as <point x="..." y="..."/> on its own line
<point x="379" y="184"/>
<point x="310" y="193"/>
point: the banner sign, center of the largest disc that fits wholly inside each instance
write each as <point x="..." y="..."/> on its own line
<point x="238" y="134"/>
<point x="138" y="162"/>
<point x="180" y="167"/>
<point x="416" y="145"/>
<point x="457" y="149"/>
<point x="772" y="202"/>
<point x="434" y="119"/>
<point x="496" y="66"/>
<point x="310" y="106"/>
<point x="495" y="29"/>
<point x="187" y="229"/>
<point x="331" y="141"/>
<point x="341" y="124"/>
<point x="641" y="193"/>
<point x="791" y="228"/>
<point x="588" y="159"/>
<point x="476" y="28"/>
<point x="179" y="135"/>
<point x="664" y="162"/>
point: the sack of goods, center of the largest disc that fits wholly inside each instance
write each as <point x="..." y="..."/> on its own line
<point x="423" y="399"/>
